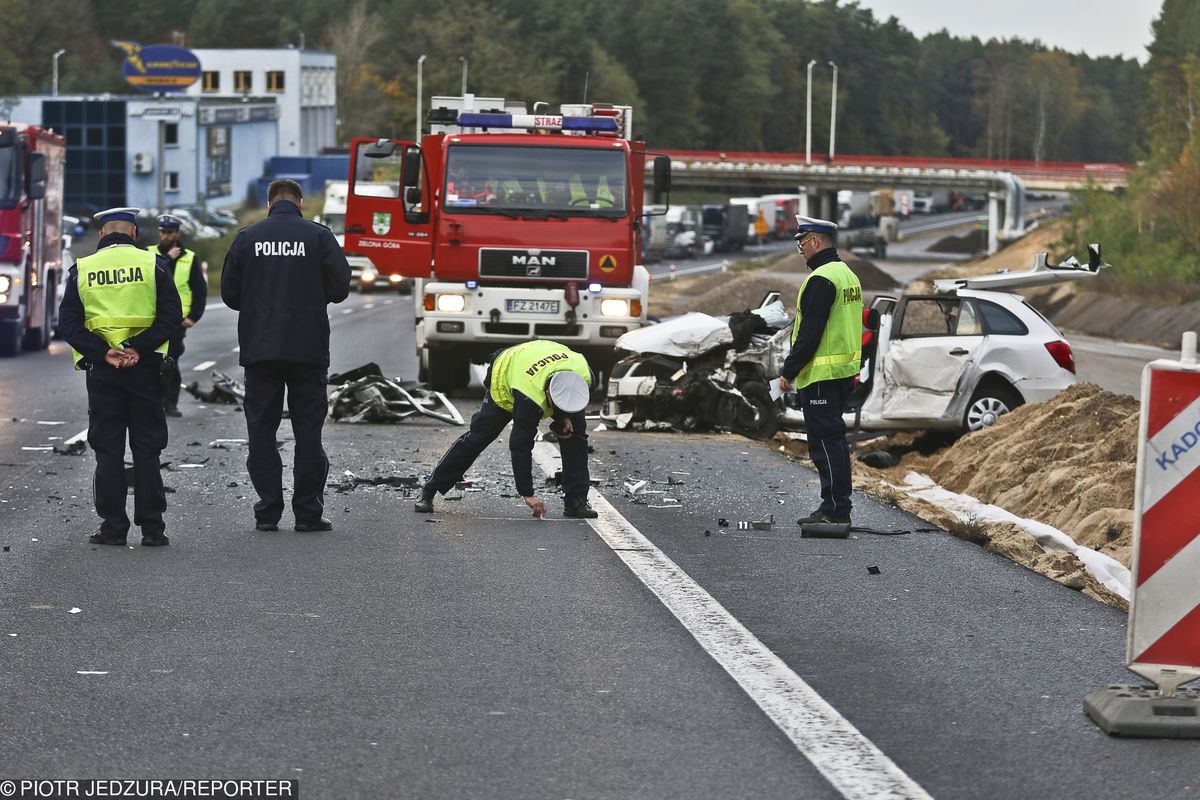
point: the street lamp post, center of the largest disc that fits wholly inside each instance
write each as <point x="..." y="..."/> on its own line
<point x="420" y="63"/>
<point x="463" y="59"/>
<point x="808" y="117"/>
<point x="833" y="113"/>
<point x="54" y="82"/>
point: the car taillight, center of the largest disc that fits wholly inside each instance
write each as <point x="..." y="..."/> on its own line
<point x="1060" y="351"/>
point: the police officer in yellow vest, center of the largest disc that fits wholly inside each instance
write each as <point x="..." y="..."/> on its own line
<point x="526" y="384"/>
<point x="824" y="360"/>
<point x="119" y="309"/>
<point x="193" y="293"/>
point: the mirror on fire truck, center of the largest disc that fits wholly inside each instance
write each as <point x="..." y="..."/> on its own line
<point x="662" y="178"/>
<point x="8" y="137"/>
<point x="381" y="148"/>
<point x="36" y="188"/>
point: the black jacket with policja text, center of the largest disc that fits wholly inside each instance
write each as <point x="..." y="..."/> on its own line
<point x="280" y="274"/>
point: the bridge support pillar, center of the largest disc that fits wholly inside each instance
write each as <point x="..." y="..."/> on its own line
<point x="828" y="205"/>
<point x="802" y="210"/>
<point x="993" y="222"/>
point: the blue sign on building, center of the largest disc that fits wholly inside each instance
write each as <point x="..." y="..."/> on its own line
<point x="159" y="67"/>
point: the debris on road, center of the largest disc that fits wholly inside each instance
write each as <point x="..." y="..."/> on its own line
<point x="351" y="482"/>
<point x="72" y="448"/>
<point x="225" y="390"/>
<point x="873" y="570"/>
<point x="365" y="395"/>
<point x="227" y="444"/>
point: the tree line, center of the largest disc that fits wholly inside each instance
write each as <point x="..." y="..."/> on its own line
<point x="704" y="74"/>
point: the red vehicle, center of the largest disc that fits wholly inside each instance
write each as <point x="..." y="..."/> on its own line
<point x="31" y="205"/>
<point x="516" y="226"/>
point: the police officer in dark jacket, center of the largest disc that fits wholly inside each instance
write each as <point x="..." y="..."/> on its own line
<point x="280" y="274"/>
<point x="119" y="308"/>
<point x="193" y="294"/>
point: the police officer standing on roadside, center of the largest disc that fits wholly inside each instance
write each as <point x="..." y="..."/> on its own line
<point x="824" y="359"/>
<point x="193" y="293"/>
<point x="280" y="274"/>
<point x="525" y="384"/>
<point x="119" y="309"/>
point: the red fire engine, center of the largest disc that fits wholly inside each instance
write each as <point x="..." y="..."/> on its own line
<point x="31" y="205"/>
<point x="517" y="226"/>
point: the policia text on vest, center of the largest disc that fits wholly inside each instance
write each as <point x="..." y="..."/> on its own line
<point x="119" y="308"/>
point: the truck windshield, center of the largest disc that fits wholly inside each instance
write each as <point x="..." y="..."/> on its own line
<point x="10" y="176"/>
<point x="523" y="180"/>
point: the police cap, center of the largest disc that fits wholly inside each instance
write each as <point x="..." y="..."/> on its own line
<point x="813" y="225"/>
<point x="568" y="391"/>
<point x="117" y="215"/>
<point x="168" y="222"/>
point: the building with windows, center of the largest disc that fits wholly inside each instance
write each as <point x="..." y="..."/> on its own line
<point x="303" y="83"/>
<point x="158" y="152"/>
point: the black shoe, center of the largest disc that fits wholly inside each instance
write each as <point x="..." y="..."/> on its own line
<point x="263" y="525"/>
<point x="315" y="525"/>
<point x="155" y="540"/>
<point x="173" y="411"/>
<point x="107" y="537"/>
<point x="579" y="509"/>
<point x="821" y="518"/>
<point x="424" y="504"/>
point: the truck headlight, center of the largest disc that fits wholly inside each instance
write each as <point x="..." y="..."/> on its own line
<point x="451" y="303"/>
<point x="5" y="284"/>
<point x="613" y="307"/>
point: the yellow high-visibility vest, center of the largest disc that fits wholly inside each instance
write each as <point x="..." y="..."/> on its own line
<point x="839" y="354"/>
<point x="117" y="289"/>
<point x="527" y="368"/>
<point x="183" y="271"/>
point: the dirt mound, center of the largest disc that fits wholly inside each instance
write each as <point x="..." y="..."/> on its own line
<point x="872" y="278"/>
<point x="743" y="292"/>
<point x="973" y="242"/>
<point x="1069" y="462"/>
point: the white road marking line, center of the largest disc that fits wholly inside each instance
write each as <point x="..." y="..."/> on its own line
<point x="847" y="759"/>
<point x="389" y="302"/>
<point x="203" y="365"/>
<point x="347" y="310"/>
<point x="368" y="306"/>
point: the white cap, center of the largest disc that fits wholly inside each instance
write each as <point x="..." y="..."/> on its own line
<point x="122" y="214"/>
<point x="568" y="391"/>
<point x="813" y="225"/>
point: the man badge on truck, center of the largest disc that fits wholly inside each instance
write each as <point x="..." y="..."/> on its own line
<point x="381" y="222"/>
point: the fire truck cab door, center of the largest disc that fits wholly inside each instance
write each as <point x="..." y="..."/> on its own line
<point x="387" y="207"/>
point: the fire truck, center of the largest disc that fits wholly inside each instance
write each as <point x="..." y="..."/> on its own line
<point x="516" y="226"/>
<point x="31" y="205"/>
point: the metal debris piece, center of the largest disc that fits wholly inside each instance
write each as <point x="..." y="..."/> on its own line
<point x="764" y="524"/>
<point x="75" y="448"/>
<point x="352" y="482"/>
<point x="874" y="570"/>
<point x="224" y="390"/>
<point x="722" y="523"/>
<point x="227" y="444"/>
<point x="635" y="487"/>
<point x="364" y="395"/>
<point x="673" y="481"/>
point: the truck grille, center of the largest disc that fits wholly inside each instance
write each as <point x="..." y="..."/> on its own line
<point x="533" y="264"/>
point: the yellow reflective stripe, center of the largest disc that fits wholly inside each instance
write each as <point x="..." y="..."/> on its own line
<point x="117" y="322"/>
<point x="842" y="358"/>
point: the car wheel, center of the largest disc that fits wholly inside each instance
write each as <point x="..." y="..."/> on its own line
<point x="757" y="417"/>
<point x="987" y="405"/>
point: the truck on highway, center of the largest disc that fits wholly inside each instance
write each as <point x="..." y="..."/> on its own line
<point x="32" y="161"/>
<point x="674" y="232"/>
<point x="516" y="226"/>
<point x="726" y="225"/>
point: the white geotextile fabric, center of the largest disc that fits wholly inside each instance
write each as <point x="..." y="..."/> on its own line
<point x="1108" y="571"/>
<point x="688" y="336"/>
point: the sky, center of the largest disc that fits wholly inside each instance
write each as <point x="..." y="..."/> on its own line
<point x="1097" y="27"/>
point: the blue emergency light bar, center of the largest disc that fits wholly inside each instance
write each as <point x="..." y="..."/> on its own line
<point x="539" y="121"/>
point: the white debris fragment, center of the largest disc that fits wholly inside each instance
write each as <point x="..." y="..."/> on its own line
<point x="75" y="610"/>
<point x="600" y="427"/>
<point x="623" y="420"/>
<point x="637" y="487"/>
<point x="91" y="672"/>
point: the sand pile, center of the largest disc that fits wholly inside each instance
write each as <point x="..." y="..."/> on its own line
<point x="872" y="278"/>
<point x="1068" y="462"/>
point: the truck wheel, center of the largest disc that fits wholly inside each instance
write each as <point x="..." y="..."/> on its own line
<point x="39" y="338"/>
<point x="10" y="339"/>
<point x="406" y="286"/>
<point x="448" y="371"/>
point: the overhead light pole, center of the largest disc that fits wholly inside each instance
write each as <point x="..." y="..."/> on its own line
<point x="420" y="63"/>
<point x="463" y="59"/>
<point x="54" y="82"/>
<point x="808" y="117"/>
<point x="833" y="112"/>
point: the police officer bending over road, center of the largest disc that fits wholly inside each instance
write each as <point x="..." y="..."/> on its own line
<point x="526" y="383"/>
<point x="119" y="308"/>
<point x="280" y="274"/>
<point x="825" y="357"/>
<point x="193" y="294"/>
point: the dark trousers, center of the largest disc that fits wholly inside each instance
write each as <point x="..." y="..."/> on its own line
<point x="486" y="425"/>
<point x="307" y="406"/>
<point x="171" y="376"/>
<point x="121" y="400"/>
<point x="823" y="403"/>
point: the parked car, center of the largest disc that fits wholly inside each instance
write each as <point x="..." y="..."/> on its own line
<point x="971" y="351"/>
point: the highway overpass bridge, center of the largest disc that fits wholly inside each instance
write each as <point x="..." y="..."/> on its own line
<point x="1004" y="182"/>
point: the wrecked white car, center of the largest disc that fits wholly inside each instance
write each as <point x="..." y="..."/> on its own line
<point x="955" y="359"/>
<point x="974" y="350"/>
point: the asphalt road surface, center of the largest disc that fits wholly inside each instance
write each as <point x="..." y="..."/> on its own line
<point x="477" y="653"/>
